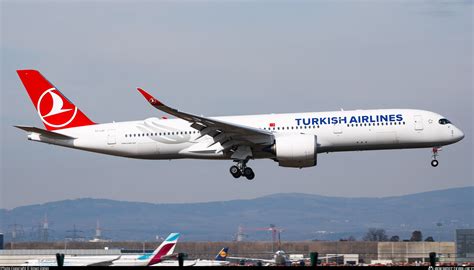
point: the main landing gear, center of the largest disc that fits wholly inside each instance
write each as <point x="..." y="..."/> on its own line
<point x="434" y="161"/>
<point x="241" y="169"/>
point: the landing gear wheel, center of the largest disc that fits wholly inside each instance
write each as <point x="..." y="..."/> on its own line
<point x="241" y="169"/>
<point x="235" y="171"/>
<point x="249" y="174"/>
<point x="434" y="162"/>
<point x="251" y="177"/>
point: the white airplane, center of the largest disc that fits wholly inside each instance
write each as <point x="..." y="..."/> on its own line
<point x="280" y="258"/>
<point x="291" y="139"/>
<point x="73" y="261"/>
<point x="165" y="249"/>
<point x="219" y="260"/>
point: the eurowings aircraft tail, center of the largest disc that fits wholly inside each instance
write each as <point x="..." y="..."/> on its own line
<point x="166" y="248"/>
<point x="222" y="255"/>
<point x="54" y="109"/>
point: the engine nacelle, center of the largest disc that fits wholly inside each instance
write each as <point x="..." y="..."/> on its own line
<point x="296" y="150"/>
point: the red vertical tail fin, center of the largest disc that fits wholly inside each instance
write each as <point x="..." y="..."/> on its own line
<point x="54" y="109"/>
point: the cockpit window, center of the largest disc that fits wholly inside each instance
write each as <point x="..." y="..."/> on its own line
<point x="444" y="121"/>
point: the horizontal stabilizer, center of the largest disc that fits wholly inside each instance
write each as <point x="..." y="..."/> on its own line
<point x="46" y="133"/>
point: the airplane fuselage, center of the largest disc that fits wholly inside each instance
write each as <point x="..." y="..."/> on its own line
<point x="355" y="130"/>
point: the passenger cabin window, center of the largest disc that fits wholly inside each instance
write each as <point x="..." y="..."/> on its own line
<point x="444" y="121"/>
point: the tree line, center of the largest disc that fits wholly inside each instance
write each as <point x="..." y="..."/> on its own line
<point x="380" y="235"/>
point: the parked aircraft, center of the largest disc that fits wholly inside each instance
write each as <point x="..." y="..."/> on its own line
<point x="219" y="260"/>
<point x="164" y="249"/>
<point x="280" y="258"/>
<point x="100" y="260"/>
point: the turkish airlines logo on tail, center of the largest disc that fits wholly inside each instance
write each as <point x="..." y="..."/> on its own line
<point x="53" y="111"/>
<point x="153" y="101"/>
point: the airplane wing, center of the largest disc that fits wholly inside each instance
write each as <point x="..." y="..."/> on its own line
<point x="225" y="133"/>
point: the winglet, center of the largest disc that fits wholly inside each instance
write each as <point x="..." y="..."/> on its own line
<point x="153" y="101"/>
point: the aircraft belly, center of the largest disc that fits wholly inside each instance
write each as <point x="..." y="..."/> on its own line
<point x="401" y="138"/>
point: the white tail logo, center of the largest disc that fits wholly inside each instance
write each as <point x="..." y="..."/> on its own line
<point x="56" y="108"/>
<point x="57" y="105"/>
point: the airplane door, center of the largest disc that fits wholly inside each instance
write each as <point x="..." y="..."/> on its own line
<point x="111" y="138"/>
<point x="418" y="122"/>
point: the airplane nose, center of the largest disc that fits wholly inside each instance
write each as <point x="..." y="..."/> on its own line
<point x="459" y="134"/>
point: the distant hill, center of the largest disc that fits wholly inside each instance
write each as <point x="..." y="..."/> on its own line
<point x="302" y="216"/>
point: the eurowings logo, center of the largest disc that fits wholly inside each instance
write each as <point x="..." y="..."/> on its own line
<point x="166" y="248"/>
<point x="53" y="111"/>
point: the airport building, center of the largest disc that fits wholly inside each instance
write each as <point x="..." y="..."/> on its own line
<point x="415" y="251"/>
<point x="464" y="245"/>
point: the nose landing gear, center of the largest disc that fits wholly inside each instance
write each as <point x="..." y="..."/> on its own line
<point x="434" y="161"/>
<point x="241" y="169"/>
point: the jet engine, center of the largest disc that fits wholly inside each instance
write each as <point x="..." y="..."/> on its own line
<point x="296" y="150"/>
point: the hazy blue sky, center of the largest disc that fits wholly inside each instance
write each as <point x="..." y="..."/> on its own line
<point x="215" y="58"/>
